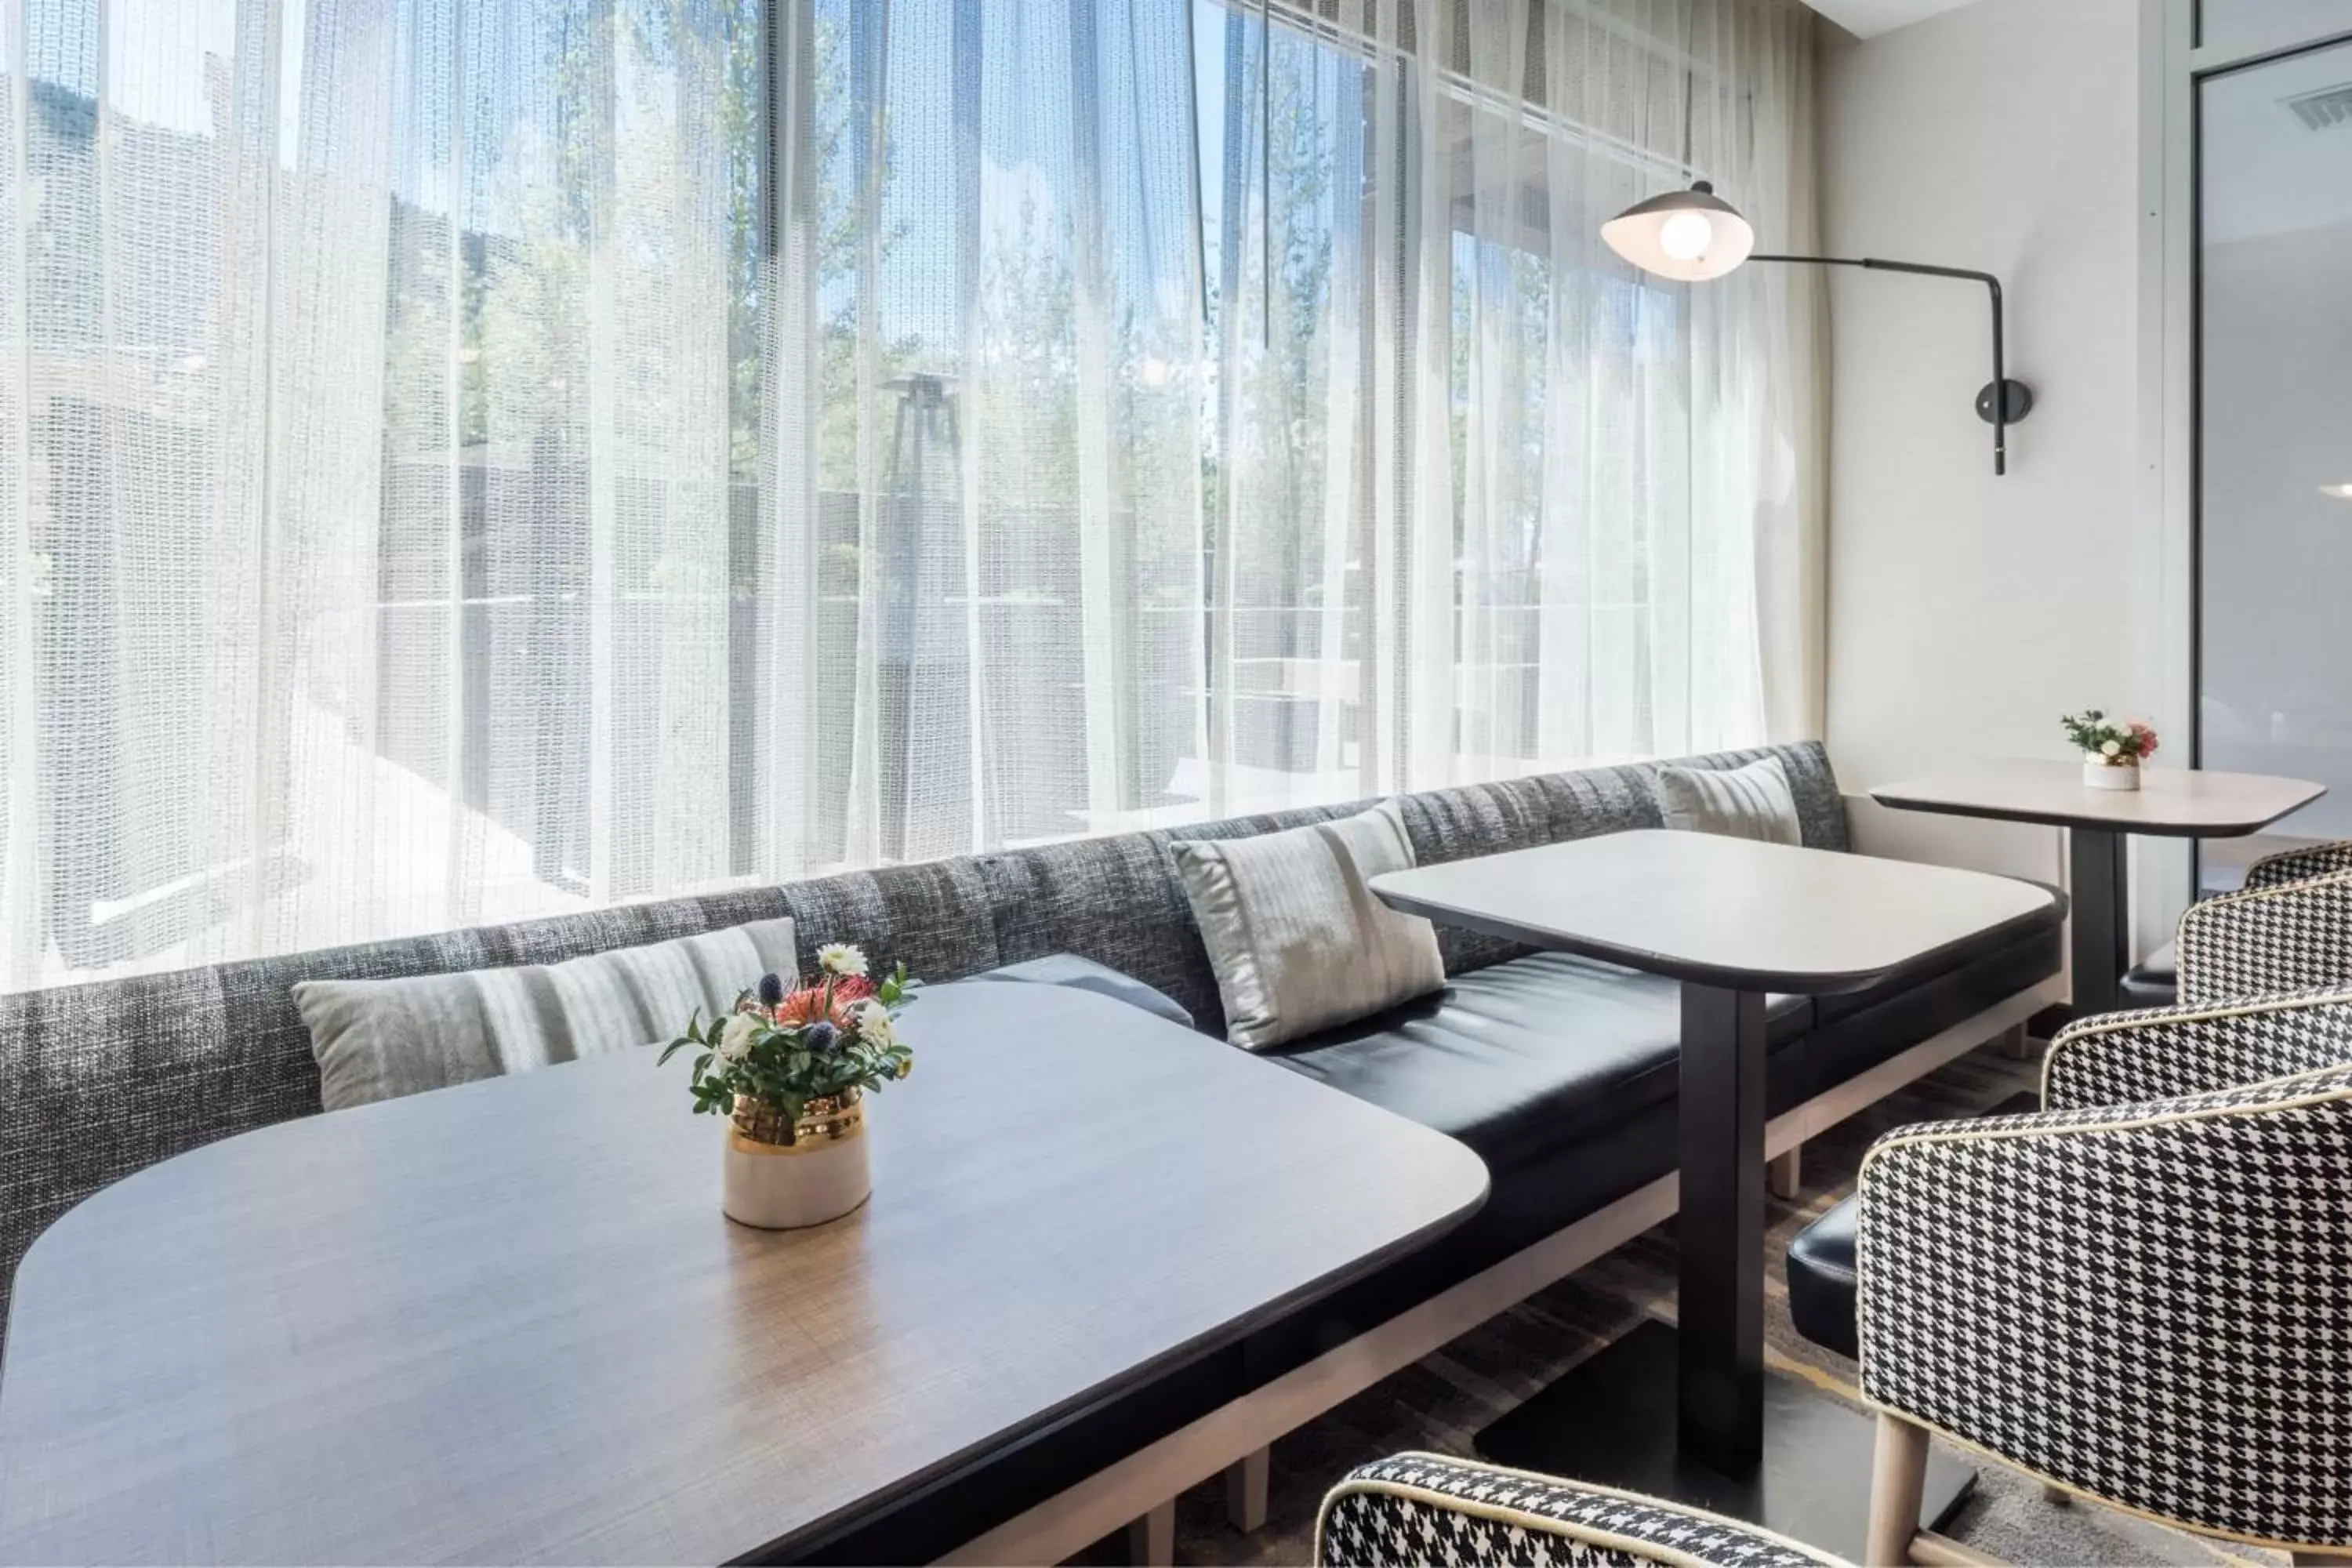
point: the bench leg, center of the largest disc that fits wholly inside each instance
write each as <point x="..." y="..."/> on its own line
<point x="1898" y="1473"/>
<point x="1245" y="1490"/>
<point x="1785" y="1174"/>
<point x="2014" y="1045"/>
<point x="1152" y="1540"/>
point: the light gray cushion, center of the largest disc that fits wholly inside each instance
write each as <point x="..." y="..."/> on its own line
<point x="379" y="1039"/>
<point x="1753" y="802"/>
<point x="1297" y="941"/>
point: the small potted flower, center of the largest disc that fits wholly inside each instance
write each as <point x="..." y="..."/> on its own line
<point x="791" y="1067"/>
<point x="2113" y="749"/>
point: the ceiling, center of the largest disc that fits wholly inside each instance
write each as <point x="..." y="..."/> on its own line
<point x="1868" y="19"/>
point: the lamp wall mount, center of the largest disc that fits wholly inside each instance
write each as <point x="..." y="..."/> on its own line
<point x="2016" y="399"/>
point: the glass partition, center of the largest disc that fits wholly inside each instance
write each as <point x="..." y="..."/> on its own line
<point x="2274" y="645"/>
<point x="2235" y="24"/>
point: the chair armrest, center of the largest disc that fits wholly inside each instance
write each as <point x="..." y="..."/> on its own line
<point x="2145" y="1303"/>
<point x="2294" y="936"/>
<point x="1415" y="1509"/>
<point x="2300" y="865"/>
<point x="2160" y="1053"/>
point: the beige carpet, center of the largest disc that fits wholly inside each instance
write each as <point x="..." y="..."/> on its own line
<point x="1442" y="1401"/>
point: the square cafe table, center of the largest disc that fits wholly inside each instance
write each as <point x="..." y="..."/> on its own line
<point x="2171" y="803"/>
<point x="1688" y="1412"/>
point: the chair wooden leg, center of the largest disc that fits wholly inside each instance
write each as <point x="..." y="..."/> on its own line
<point x="2014" y="1045"/>
<point x="1152" y="1540"/>
<point x="1245" y="1490"/>
<point x="1899" y="1473"/>
<point x="1785" y="1174"/>
<point x="2057" y="1497"/>
<point x="2319" y="1558"/>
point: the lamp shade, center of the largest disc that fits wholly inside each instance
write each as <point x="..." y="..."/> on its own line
<point x="1690" y="235"/>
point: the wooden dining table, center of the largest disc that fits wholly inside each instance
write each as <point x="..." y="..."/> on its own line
<point x="507" y="1322"/>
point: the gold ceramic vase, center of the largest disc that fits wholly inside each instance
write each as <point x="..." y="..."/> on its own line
<point x="2110" y="772"/>
<point x="786" y="1173"/>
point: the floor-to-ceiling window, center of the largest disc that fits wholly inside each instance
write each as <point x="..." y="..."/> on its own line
<point x="465" y="459"/>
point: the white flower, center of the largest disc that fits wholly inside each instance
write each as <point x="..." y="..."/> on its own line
<point x="841" y="958"/>
<point x="875" y="1024"/>
<point x="2111" y="748"/>
<point x="735" y="1038"/>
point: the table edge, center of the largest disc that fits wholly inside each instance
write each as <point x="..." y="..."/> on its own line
<point x="1894" y="800"/>
<point x="878" y="1506"/>
<point x="1809" y="983"/>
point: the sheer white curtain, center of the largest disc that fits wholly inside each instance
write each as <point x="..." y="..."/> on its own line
<point x="379" y="437"/>
<point x="462" y="460"/>
<point x="985" y="594"/>
<point x="1490" y="499"/>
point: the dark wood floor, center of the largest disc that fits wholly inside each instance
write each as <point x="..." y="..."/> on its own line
<point x="1442" y="1401"/>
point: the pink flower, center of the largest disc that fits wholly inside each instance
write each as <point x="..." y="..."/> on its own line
<point x="808" y="1005"/>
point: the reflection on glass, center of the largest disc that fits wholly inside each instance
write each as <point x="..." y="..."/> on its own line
<point x="2276" y="283"/>
<point x="2234" y="24"/>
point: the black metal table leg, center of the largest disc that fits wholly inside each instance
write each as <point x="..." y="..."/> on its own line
<point x="1688" y="1412"/>
<point x="2099" y="890"/>
<point x="1721" y="1369"/>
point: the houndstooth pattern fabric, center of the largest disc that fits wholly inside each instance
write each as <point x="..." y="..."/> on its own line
<point x="2289" y="936"/>
<point x="2300" y="865"/>
<point x="1419" y="1509"/>
<point x="2146" y="1302"/>
<point x="2162" y="1053"/>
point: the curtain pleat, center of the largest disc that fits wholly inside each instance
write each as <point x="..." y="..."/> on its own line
<point x="469" y="459"/>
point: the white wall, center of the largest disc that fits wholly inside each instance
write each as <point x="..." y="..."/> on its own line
<point x="1968" y="611"/>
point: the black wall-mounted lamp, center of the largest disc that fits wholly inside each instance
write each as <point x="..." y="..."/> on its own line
<point x="1694" y="236"/>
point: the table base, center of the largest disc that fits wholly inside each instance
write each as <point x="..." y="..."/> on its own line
<point x="1611" y="1420"/>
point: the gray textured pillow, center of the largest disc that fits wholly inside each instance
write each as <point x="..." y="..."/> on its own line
<point x="379" y="1039"/>
<point x="1297" y="940"/>
<point x="1753" y="802"/>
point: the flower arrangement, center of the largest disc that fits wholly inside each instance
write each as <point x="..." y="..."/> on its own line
<point x="827" y="1039"/>
<point x="2110" y="743"/>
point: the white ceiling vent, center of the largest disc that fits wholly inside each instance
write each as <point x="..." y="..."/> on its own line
<point x="2329" y="109"/>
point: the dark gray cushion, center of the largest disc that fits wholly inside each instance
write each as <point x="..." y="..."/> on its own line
<point x="1085" y="974"/>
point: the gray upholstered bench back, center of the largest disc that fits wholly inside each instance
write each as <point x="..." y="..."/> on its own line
<point x="200" y="1054"/>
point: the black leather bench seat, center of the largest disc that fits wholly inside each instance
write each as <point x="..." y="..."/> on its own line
<point x="1561" y="1073"/>
<point x="1525" y="1058"/>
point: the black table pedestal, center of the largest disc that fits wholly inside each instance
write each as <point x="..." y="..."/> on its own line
<point x="2098" y="862"/>
<point x="1611" y="1421"/>
<point x="1690" y="1414"/>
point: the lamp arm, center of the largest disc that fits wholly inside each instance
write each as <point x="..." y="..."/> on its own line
<point x="1999" y="391"/>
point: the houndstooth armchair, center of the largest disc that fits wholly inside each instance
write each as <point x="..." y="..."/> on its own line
<point x="1418" y="1509"/>
<point x="2288" y="928"/>
<point x="2144" y="1293"/>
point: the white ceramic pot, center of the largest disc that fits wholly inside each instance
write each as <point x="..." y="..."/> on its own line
<point x="821" y="1175"/>
<point x="2100" y="774"/>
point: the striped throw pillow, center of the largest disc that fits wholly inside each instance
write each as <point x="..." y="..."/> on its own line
<point x="1753" y="802"/>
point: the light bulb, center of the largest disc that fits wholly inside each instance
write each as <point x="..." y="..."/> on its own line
<point x="1685" y="235"/>
<point x="2341" y="493"/>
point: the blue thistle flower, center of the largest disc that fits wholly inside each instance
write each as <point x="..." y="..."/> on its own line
<point x="820" y="1037"/>
<point x="772" y="989"/>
